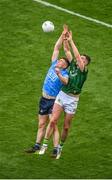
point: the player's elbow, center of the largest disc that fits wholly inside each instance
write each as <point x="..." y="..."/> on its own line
<point x="53" y="122"/>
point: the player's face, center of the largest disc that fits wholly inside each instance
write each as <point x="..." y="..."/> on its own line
<point x="61" y="64"/>
<point x="84" y="60"/>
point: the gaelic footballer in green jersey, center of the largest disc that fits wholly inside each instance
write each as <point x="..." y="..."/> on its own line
<point x="76" y="79"/>
<point x="68" y="97"/>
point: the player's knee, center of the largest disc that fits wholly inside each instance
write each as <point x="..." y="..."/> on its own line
<point x="41" y="125"/>
<point x="53" y="122"/>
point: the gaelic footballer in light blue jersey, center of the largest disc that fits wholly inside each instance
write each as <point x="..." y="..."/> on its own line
<point x="56" y="77"/>
<point x="52" y="83"/>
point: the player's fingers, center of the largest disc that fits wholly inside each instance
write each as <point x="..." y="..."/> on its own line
<point x="65" y="27"/>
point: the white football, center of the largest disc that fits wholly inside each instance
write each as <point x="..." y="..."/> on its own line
<point x="48" y="26"/>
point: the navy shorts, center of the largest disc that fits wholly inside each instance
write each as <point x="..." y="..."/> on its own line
<point x="46" y="106"/>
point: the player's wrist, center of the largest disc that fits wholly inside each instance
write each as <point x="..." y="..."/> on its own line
<point x="59" y="74"/>
<point x="71" y="40"/>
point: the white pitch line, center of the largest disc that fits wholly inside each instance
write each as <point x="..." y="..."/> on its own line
<point x="73" y="13"/>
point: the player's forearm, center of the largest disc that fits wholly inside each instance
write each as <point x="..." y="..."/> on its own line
<point x="75" y="50"/>
<point x="63" y="79"/>
<point x="59" y="43"/>
<point x="57" y="48"/>
<point x="66" y="47"/>
<point x="77" y="55"/>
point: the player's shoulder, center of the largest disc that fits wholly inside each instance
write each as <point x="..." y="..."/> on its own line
<point x="73" y="62"/>
<point x="54" y="61"/>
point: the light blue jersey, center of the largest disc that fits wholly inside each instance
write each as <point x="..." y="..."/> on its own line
<point x="52" y="84"/>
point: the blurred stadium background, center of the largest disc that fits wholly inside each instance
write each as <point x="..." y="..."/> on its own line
<point x="25" y="53"/>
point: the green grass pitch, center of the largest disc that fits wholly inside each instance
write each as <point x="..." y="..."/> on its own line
<point x="25" y="53"/>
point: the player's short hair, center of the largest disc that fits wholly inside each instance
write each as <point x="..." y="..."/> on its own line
<point x="67" y="61"/>
<point x="87" y="57"/>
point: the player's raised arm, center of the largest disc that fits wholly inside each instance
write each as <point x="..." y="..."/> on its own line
<point x="66" y="46"/>
<point x="67" y="50"/>
<point x="57" y="48"/>
<point x="76" y="52"/>
<point x="58" y="44"/>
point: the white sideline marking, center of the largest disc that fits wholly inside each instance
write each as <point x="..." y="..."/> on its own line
<point x="73" y="13"/>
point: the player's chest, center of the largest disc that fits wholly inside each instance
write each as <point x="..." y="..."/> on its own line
<point x="74" y="71"/>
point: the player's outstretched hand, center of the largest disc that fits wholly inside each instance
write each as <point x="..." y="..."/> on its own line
<point x="65" y="28"/>
<point x="65" y="31"/>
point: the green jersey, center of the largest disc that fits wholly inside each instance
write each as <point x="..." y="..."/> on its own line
<point x="76" y="79"/>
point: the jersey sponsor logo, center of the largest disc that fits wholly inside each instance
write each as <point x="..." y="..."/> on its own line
<point x="52" y="75"/>
<point x="73" y="72"/>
